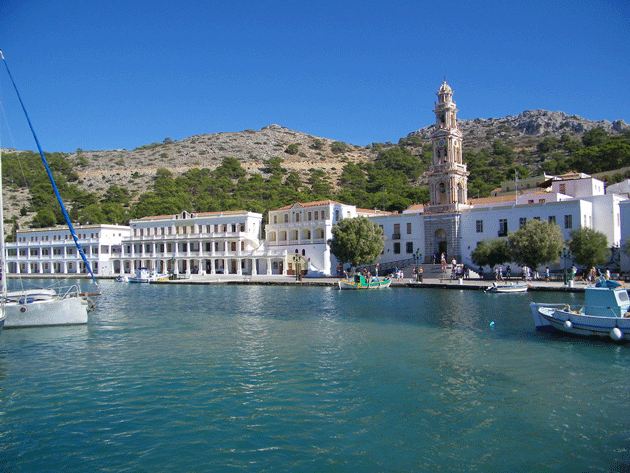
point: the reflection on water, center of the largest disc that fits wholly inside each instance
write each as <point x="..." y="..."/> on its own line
<point x="229" y="378"/>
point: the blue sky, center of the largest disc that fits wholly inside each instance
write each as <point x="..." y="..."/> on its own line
<point x="112" y="74"/>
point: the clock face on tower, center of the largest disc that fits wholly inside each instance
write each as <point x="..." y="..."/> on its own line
<point x="441" y="143"/>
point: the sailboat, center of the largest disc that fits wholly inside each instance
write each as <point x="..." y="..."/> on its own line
<point x="42" y="307"/>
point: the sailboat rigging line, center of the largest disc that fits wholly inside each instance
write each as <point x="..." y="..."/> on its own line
<point x="50" y="176"/>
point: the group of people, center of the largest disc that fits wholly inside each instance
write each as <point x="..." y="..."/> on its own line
<point x="461" y="271"/>
<point x="458" y="271"/>
<point x="397" y="274"/>
<point x="529" y="274"/>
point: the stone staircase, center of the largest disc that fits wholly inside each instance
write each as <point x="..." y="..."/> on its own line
<point x="430" y="271"/>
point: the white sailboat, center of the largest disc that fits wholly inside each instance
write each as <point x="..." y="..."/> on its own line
<point x="41" y="307"/>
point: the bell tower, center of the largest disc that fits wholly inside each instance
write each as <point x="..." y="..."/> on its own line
<point x="448" y="182"/>
<point x="448" y="177"/>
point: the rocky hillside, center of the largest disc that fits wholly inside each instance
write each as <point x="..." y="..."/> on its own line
<point x="135" y="169"/>
<point x="526" y="129"/>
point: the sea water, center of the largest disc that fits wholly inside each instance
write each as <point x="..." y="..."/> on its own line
<point x="310" y="379"/>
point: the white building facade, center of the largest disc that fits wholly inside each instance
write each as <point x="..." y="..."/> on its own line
<point x="404" y="236"/>
<point x="203" y="243"/>
<point x="52" y="251"/>
<point x="301" y="232"/>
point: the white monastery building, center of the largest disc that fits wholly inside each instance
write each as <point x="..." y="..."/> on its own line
<point x="50" y="251"/>
<point x="203" y="243"/>
<point x="302" y="231"/>
<point x="297" y="235"/>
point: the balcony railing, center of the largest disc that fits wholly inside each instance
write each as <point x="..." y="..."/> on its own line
<point x="187" y="236"/>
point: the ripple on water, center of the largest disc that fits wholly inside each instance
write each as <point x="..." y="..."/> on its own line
<point x="224" y="378"/>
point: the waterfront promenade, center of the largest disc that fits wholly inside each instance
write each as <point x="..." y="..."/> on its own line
<point x="431" y="282"/>
<point x="434" y="280"/>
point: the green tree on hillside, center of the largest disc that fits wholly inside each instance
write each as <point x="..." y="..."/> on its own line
<point x="230" y="168"/>
<point x="45" y="218"/>
<point x="293" y="148"/>
<point x="398" y="158"/>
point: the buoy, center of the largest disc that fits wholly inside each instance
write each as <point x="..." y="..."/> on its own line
<point x="568" y="325"/>
<point x="491" y="324"/>
<point x="616" y="334"/>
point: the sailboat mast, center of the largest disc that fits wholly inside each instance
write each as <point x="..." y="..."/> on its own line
<point x="3" y="262"/>
<point x="50" y="176"/>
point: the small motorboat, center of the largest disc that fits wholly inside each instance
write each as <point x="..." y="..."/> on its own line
<point x="145" y="275"/>
<point x="361" y="282"/>
<point x="605" y="313"/>
<point x="507" y="288"/>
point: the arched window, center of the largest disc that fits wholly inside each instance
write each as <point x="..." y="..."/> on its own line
<point x="441" y="193"/>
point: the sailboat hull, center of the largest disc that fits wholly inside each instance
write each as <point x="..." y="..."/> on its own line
<point x="44" y="313"/>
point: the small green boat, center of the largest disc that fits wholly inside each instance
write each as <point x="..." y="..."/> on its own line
<point x="360" y="282"/>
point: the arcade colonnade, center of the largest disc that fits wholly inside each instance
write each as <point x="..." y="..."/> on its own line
<point x="205" y="243"/>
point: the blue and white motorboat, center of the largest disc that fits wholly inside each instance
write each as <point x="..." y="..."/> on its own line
<point x="507" y="288"/>
<point x="145" y="275"/>
<point x="605" y="313"/>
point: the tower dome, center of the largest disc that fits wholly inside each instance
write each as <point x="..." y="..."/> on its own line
<point x="445" y="89"/>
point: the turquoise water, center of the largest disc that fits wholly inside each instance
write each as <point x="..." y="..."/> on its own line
<point x="288" y="379"/>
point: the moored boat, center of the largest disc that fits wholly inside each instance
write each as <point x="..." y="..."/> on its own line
<point x="507" y="288"/>
<point x="360" y="282"/>
<point x="47" y="307"/>
<point x="42" y="307"/>
<point x="605" y="313"/>
<point x="145" y="275"/>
